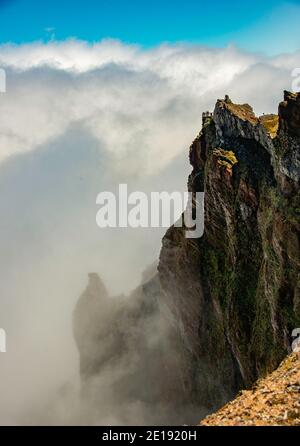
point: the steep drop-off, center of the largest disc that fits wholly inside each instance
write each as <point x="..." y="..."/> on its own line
<point x="235" y="292"/>
<point x="220" y="312"/>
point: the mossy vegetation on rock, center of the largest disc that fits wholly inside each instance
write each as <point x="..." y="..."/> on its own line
<point x="236" y="297"/>
<point x="271" y="124"/>
<point x="225" y="158"/>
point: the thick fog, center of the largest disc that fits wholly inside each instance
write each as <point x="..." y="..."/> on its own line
<point x="78" y="119"/>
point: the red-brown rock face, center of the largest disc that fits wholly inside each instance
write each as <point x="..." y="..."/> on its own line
<point x="234" y="294"/>
<point x="221" y="311"/>
<point x="289" y="114"/>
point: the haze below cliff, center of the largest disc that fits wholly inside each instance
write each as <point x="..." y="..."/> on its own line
<point x="67" y="132"/>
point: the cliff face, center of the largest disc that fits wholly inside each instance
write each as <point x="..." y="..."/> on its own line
<point x="234" y="293"/>
<point x="221" y="310"/>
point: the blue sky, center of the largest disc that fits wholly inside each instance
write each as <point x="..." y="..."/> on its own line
<point x="78" y="119"/>
<point x="271" y="26"/>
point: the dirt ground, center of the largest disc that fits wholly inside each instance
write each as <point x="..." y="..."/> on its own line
<point x="273" y="401"/>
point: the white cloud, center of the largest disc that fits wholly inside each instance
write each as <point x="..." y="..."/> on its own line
<point x="127" y="97"/>
<point x="78" y="119"/>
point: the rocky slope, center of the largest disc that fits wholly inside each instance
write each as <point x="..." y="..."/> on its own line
<point x="222" y="307"/>
<point x="235" y="292"/>
<point x="273" y="401"/>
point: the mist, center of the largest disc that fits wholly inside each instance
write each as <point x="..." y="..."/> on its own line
<point x="78" y="119"/>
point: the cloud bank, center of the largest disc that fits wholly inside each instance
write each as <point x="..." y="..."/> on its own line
<point x="78" y="119"/>
<point x="110" y="85"/>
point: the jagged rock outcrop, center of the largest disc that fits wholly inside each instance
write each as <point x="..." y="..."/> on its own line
<point x="220" y="312"/>
<point x="129" y="357"/>
<point x="107" y="328"/>
<point x="289" y="114"/>
<point x="288" y="141"/>
<point x="235" y="292"/>
<point x="234" y="121"/>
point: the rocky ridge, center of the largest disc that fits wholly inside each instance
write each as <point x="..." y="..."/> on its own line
<point x="223" y="307"/>
<point x="235" y="292"/>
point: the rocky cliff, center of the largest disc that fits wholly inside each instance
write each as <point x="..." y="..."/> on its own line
<point x="220" y="312"/>
<point x="129" y="357"/>
<point x="235" y="292"/>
